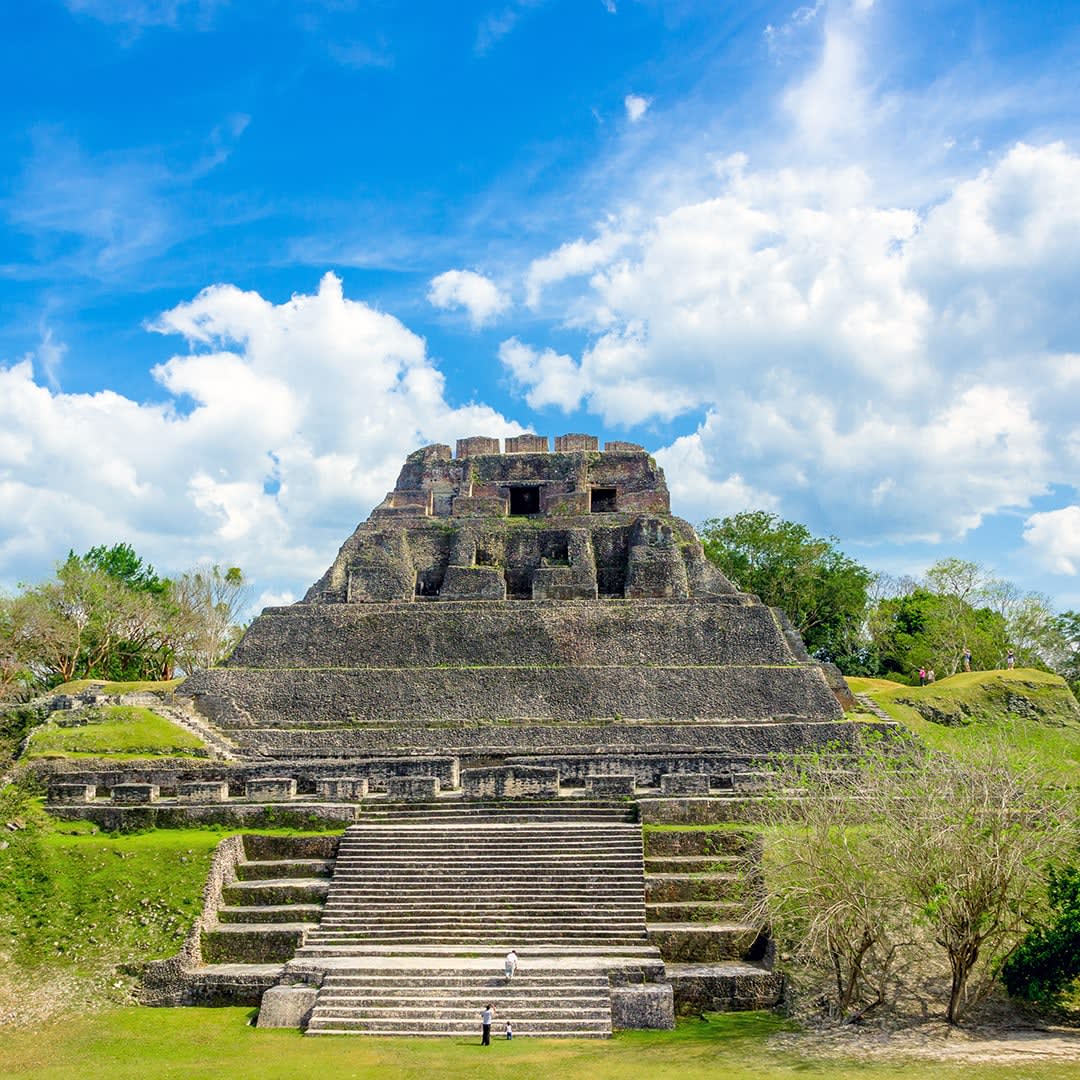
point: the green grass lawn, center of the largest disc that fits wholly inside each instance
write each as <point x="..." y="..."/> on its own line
<point x="124" y="730"/>
<point x="162" y="1044"/>
<point x="1031" y="712"/>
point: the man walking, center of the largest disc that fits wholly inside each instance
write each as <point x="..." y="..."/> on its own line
<point x="511" y="964"/>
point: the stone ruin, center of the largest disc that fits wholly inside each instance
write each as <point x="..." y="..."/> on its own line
<point x="522" y="605"/>
<point x="520" y="657"/>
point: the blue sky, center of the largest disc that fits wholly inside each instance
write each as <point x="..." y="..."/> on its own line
<point x="820" y="259"/>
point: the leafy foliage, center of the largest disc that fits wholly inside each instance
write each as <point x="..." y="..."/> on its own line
<point x="823" y="591"/>
<point x="107" y="615"/>
<point x="1047" y="962"/>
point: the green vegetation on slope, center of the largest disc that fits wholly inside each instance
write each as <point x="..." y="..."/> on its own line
<point x="1032" y="712"/>
<point x="114" y="729"/>
<point x="77" y="686"/>
<point x="70" y="896"/>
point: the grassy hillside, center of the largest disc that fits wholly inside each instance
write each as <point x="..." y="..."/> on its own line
<point x="1032" y="712"/>
<point x="101" y="687"/>
<point x="113" y="730"/>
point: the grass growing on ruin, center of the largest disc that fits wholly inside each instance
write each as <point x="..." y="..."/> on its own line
<point x="77" y="686"/>
<point x="1033" y="713"/>
<point x="161" y="1044"/>
<point x="115" y="729"/>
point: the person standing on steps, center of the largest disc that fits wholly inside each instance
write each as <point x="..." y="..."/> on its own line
<point x="487" y="1014"/>
<point x="511" y="964"/>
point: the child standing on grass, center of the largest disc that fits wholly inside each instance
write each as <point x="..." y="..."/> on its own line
<point x="509" y="1030"/>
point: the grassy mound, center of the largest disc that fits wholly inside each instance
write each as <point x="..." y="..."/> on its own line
<point x="1033" y="712"/>
<point x="99" y="686"/>
<point x="113" y="731"/>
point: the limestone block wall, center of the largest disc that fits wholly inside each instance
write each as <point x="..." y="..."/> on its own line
<point x="558" y="695"/>
<point x="733" y="631"/>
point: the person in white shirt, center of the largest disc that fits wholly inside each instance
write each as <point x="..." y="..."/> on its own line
<point x="487" y="1014"/>
<point x="511" y="965"/>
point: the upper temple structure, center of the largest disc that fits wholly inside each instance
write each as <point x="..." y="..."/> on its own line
<point x="515" y="601"/>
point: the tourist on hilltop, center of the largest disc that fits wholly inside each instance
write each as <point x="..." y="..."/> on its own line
<point x="922" y="676"/>
<point x="511" y="964"/>
<point x="487" y="1014"/>
<point x="1010" y="659"/>
<point x="967" y="658"/>
<point x="931" y="675"/>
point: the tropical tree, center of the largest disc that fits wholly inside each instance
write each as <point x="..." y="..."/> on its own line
<point x="822" y="590"/>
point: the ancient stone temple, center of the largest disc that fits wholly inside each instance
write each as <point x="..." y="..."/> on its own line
<point x="527" y="606"/>
<point x="515" y="663"/>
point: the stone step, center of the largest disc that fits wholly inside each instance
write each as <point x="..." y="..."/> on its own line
<point x="252" y="943"/>
<point x="674" y="888"/>
<point x="270" y="913"/>
<point x="436" y="1029"/>
<point x="711" y="911"/>
<point x="692" y="864"/>
<point x="465" y="938"/>
<point x="694" y="942"/>
<point x="665" y="843"/>
<point x="642" y="952"/>
<point x="260" y="870"/>
<point x="279" y="891"/>
<point x="447" y="1001"/>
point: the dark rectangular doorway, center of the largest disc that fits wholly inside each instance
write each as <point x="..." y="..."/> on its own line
<point x="602" y="500"/>
<point x="525" y="500"/>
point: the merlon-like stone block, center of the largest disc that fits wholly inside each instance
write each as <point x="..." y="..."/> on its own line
<point x="684" y="784"/>
<point x="509" y="782"/>
<point x="617" y="785"/>
<point x="271" y="789"/>
<point x="135" y="794"/>
<point x="72" y="793"/>
<point x="527" y="444"/>
<point x="342" y="788"/>
<point x="568" y="444"/>
<point x="477" y="444"/>
<point x="200" y="791"/>
<point x="412" y="788"/>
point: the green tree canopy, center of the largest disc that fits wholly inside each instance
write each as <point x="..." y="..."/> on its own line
<point x="823" y="591"/>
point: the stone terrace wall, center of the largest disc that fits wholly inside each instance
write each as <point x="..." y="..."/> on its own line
<point x="461" y="633"/>
<point x="298" y="698"/>
<point x="484" y="742"/>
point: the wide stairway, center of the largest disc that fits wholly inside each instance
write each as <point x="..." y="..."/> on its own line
<point x="418" y="918"/>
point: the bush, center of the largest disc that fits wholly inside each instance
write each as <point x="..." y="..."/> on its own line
<point x="1046" y="964"/>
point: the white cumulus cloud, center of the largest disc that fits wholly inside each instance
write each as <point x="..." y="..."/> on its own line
<point x="478" y="295"/>
<point x="1054" y="539"/>
<point x="282" y="425"/>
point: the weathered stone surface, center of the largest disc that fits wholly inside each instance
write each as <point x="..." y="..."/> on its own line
<point x="271" y="789"/>
<point x="286" y="1007"/>
<point x="72" y="793"/>
<point x="412" y="788"/>
<point x="526" y="444"/>
<point x="566" y="444"/>
<point x="202" y="791"/>
<point x="135" y="794"/>
<point x="684" y="784"/>
<point x="701" y="988"/>
<point x="648" y="1006"/>
<point x="344" y="788"/>
<point x="611" y="785"/>
<point x="508" y="782"/>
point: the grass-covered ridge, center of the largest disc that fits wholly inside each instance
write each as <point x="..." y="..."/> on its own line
<point x="124" y="730"/>
<point x="1032" y="712"/>
<point x="100" y="686"/>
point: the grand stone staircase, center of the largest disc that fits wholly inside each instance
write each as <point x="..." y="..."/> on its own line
<point x="419" y="916"/>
